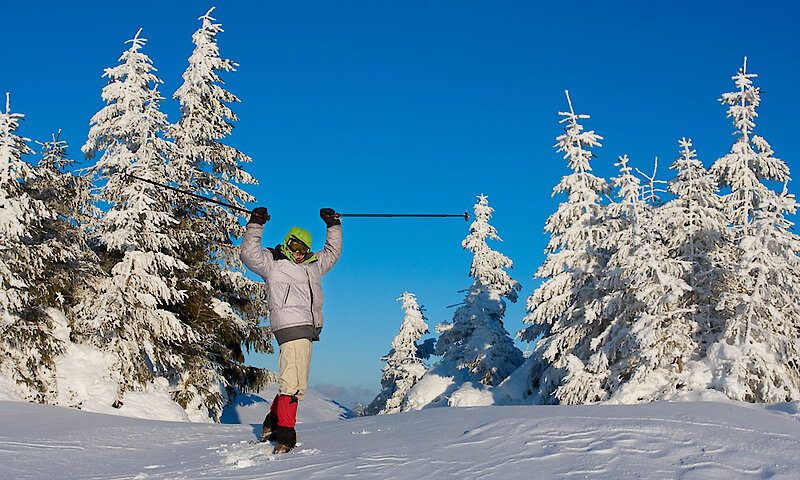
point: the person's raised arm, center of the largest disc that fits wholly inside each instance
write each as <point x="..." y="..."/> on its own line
<point x="333" y="240"/>
<point x="255" y="258"/>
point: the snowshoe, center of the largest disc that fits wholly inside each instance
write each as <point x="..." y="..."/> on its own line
<point x="281" y="448"/>
<point x="285" y="439"/>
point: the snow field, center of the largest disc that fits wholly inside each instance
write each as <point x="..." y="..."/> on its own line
<point x="687" y="440"/>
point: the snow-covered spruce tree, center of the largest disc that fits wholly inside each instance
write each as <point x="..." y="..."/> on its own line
<point x="607" y="350"/>
<point x="27" y="346"/>
<point x="404" y="365"/>
<point x="756" y="358"/>
<point x="564" y="310"/>
<point x="127" y="314"/>
<point x="222" y="306"/>
<point x="622" y="239"/>
<point x="657" y="286"/>
<point x="477" y="351"/>
<point x="751" y="158"/>
<point x="476" y="341"/>
<point x="660" y="329"/>
<point x="68" y="260"/>
<point x="202" y="163"/>
<point x="697" y="233"/>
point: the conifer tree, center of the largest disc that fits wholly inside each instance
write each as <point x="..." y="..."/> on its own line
<point x="27" y="346"/>
<point x="697" y="233"/>
<point x="751" y="158"/>
<point x="660" y="280"/>
<point x="666" y="266"/>
<point x="222" y="305"/>
<point x="404" y="365"/>
<point x="589" y="379"/>
<point x="629" y="352"/>
<point x="565" y="310"/>
<point x="623" y="236"/>
<point x="476" y="340"/>
<point x="756" y="358"/>
<point x="127" y="314"/>
<point x="660" y="331"/>
<point x="202" y="163"/>
<point x="69" y="262"/>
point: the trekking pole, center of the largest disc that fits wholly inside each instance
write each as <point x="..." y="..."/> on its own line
<point x="464" y="215"/>
<point x="200" y="197"/>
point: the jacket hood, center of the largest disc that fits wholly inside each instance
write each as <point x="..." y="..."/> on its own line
<point x="300" y="234"/>
<point x="304" y="237"/>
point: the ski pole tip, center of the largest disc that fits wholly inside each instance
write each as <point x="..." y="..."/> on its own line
<point x="466" y="216"/>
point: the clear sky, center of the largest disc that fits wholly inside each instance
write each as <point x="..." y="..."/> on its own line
<point x="417" y="107"/>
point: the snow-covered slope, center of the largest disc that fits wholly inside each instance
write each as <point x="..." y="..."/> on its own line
<point x="692" y="440"/>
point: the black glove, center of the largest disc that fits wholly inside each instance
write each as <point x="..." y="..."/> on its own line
<point x="259" y="215"/>
<point x="329" y="216"/>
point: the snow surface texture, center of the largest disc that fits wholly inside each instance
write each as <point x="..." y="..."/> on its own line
<point x="690" y="440"/>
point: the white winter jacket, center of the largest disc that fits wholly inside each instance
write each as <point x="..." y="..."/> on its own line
<point x="294" y="291"/>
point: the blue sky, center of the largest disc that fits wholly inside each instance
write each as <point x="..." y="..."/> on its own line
<point x="417" y="107"/>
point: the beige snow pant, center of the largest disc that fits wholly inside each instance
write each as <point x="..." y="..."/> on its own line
<point x="294" y="365"/>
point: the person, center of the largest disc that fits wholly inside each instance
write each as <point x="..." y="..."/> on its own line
<point x="293" y="274"/>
